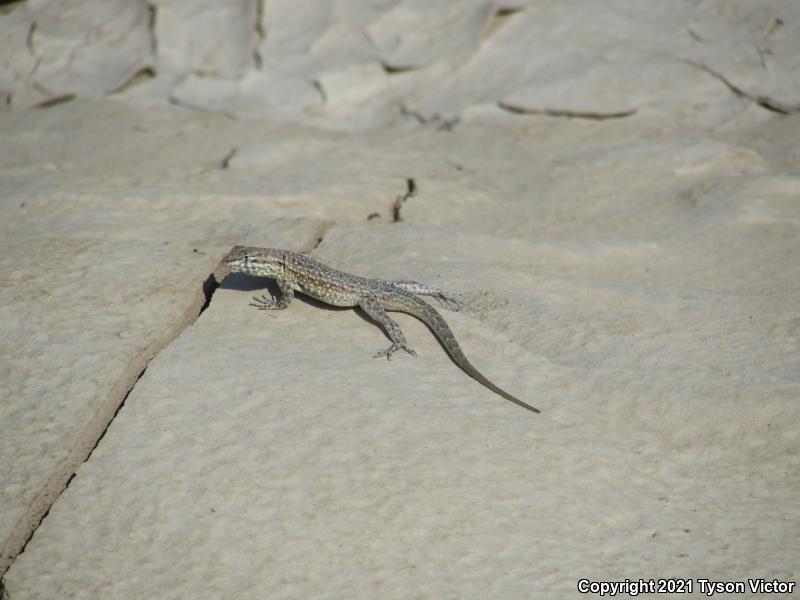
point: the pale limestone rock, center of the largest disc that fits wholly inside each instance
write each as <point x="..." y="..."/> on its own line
<point x="208" y="38"/>
<point x="417" y="34"/>
<point x="290" y="29"/>
<point x="755" y="47"/>
<point x="635" y="278"/>
<point x="85" y="48"/>
<point x="309" y="37"/>
<point x="16" y="60"/>
<point x="341" y="45"/>
<point x="642" y="48"/>
<point x="519" y="55"/>
<point x="353" y="85"/>
<point x="257" y="94"/>
<point x="356" y="98"/>
<point x="562" y="58"/>
<point x="310" y="460"/>
<point x="93" y="285"/>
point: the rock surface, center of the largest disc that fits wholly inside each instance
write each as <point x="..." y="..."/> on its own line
<point x="614" y="193"/>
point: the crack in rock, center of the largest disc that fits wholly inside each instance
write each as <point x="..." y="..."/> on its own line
<point x="93" y="434"/>
<point x="567" y="113"/>
<point x="226" y="161"/>
<point x="260" y="34"/>
<point x="767" y="102"/>
<point x="151" y="29"/>
<point x="442" y="124"/>
<point x="411" y="191"/>
<point x="322" y="231"/>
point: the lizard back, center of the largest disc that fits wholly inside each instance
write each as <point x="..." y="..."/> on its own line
<point x="322" y="282"/>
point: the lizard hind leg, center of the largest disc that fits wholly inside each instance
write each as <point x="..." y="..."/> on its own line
<point x="375" y="310"/>
<point x="448" y="301"/>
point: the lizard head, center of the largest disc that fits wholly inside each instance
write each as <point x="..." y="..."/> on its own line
<point x="261" y="262"/>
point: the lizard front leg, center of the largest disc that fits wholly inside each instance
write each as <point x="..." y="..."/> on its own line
<point x="448" y="301"/>
<point x="266" y="303"/>
<point x="375" y="310"/>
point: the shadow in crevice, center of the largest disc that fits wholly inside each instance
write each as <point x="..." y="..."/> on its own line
<point x="210" y="286"/>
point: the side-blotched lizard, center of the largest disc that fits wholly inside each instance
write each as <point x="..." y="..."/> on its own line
<point x="293" y="271"/>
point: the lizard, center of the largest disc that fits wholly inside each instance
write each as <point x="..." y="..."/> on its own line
<point x="299" y="272"/>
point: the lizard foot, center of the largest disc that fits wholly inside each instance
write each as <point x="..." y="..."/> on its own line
<point x="391" y="349"/>
<point x="449" y="302"/>
<point x="264" y="303"/>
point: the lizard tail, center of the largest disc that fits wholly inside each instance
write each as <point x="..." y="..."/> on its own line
<point x="423" y="311"/>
